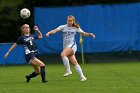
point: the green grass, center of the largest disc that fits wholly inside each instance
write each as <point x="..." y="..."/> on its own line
<point x="102" y="78"/>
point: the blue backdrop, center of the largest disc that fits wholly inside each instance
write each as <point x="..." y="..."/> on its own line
<point x="117" y="28"/>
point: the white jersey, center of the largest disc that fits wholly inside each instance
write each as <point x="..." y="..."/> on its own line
<point x="69" y="34"/>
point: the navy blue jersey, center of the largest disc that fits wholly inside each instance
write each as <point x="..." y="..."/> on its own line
<point x="28" y="43"/>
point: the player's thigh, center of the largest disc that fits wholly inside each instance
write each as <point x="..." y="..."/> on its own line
<point x="73" y="60"/>
<point x="37" y="62"/>
<point x="67" y="52"/>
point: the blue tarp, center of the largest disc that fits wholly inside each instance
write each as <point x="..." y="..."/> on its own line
<point x="15" y="57"/>
<point x="117" y="28"/>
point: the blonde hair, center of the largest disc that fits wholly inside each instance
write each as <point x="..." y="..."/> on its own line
<point x="74" y="22"/>
<point x="22" y="27"/>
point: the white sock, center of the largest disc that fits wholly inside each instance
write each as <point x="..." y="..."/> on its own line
<point x="79" y="70"/>
<point x="66" y="63"/>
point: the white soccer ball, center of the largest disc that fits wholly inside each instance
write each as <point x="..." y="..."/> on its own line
<point x="25" y="13"/>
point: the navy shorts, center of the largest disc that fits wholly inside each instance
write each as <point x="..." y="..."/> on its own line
<point x="29" y="57"/>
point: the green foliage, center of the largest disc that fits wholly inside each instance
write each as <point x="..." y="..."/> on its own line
<point x="9" y="9"/>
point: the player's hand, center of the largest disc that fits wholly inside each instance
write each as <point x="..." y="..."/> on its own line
<point x="35" y="28"/>
<point x="6" y="55"/>
<point x="47" y="35"/>
<point x="92" y="35"/>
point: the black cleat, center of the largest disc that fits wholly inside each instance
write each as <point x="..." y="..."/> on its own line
<point x="28" y="79"/>
<point x="44" y="81"/>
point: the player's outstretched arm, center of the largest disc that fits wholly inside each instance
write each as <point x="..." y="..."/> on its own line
<point x="52" y="32"/>
<point x="38" y="32"/>
<point x="12" y="47"/>
<point x="88" y="34"/>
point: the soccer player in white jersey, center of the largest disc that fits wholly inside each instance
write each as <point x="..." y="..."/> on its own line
<point x="69" y="45"/>
<point x="31" y="53"/>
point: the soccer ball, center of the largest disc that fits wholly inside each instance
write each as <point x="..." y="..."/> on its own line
<point x="25" y="13"/>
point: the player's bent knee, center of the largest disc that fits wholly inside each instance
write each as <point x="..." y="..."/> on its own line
<point x="62" y="55"/>
<point x="42" y="64"/>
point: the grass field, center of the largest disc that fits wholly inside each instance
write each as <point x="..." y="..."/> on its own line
<point x="102" y="78"/>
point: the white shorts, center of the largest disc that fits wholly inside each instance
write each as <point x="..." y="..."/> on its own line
<point x="73" y="46"/>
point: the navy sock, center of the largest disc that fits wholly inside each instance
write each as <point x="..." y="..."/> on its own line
<point x="43" y="73"/>
<point x="34" y="74"/>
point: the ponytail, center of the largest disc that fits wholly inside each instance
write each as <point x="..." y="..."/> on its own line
<point x="76" y="25"/>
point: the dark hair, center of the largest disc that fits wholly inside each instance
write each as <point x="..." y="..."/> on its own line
<point x="74" y="24"/>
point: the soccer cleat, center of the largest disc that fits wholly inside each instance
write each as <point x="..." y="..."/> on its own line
<point x="67" y="74"/>
<point x="28" y="79"/>
<point x="44" y="81"/>
<point x="83" y="78"/>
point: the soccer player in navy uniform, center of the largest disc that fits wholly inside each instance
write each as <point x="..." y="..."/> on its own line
<point x="31" y="53"/>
